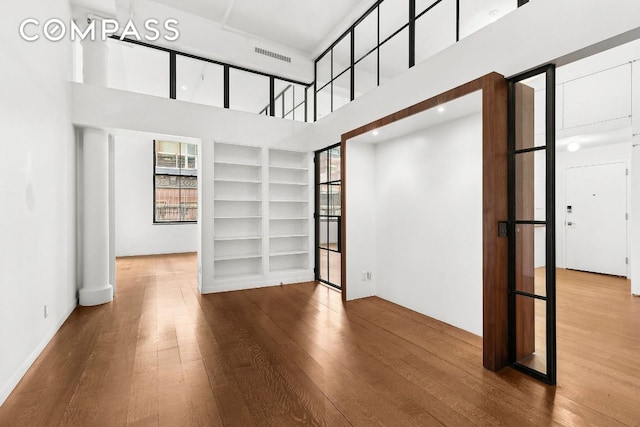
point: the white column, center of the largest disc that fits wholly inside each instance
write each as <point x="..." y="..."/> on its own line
<point x="96" y="288"/>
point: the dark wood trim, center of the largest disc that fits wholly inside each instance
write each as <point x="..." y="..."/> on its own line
<point x="343" y="231"/>
<point x="495" y="204"/>
<point x="495" y="207"/>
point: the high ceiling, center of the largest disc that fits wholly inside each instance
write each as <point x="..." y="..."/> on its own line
<point x="300" y="24"/>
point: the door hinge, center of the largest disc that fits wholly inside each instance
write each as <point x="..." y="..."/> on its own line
<point x="626" y="260"/>
<point x="626" y="171"/>
<point x="626" y="216"/>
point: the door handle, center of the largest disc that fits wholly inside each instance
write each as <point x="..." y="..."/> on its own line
<point x="570" y="223"/>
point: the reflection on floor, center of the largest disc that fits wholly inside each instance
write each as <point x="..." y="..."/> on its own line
<point x="330" y="265"/>
<point x="161" y="354"/>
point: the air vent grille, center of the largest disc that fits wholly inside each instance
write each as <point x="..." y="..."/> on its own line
<point x="273" y="55"/>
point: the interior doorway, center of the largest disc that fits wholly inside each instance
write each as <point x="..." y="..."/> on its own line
<point x="328" y="216"/>
<point x="596" y="218"/>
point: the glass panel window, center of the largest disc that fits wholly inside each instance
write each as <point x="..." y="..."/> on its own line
<point x="342" y="90"/>
<point x="138" y="69"/>
<point x="175" y="182"/>
<point x="310" y="104"/>
<point x="436" y="30"/>
<point x="394" y="56"/>
<point x="393" y="15"/>
<point x="323" y="99"/>
<point x="342" y="55"/>
<point x="199" y="81"/>
<point x="323" y="70"/>
<point x="366" y="74"/>
<point x="366" y="35"/>
<point x="248" y="91"/>
<point x="283" y="98"/>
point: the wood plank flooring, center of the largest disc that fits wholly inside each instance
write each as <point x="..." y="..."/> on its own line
<point x="161" y="354"/>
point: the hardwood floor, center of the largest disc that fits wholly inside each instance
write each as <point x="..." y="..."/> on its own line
<point x="161" y="354"/>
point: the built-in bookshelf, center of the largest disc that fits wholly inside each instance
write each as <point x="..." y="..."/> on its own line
<point x="289" y="211"/>
<point x="237" y="211"/>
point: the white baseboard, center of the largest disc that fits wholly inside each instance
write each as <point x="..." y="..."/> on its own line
<point x="254" y="283"/>
<point x="8" y="387"/>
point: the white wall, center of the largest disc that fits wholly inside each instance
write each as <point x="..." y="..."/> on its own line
<point x="136" y="234"/>
<point x="635" y="183"/>
<point x="37" y="189"/>
<point x="361" y="223"/>
<point x="584" y="157"/>
<point x="421" y="227"/>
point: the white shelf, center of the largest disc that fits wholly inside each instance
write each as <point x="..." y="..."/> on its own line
<point x="290" y="270"/>
<point x="293" y="168"/>
<point x="240" y="181"/>
<point x="238" y="200"/>
<point x="288" y="236"/>
<point x="288" y="183"/>
<point x="237" y="257"/>
<point x="233" y="239"/>
<point x="290" y="219"/>
<point x="237" y="217"/>
<point x="288" y="253"/>
<point x="288" y="201"/>
<point x="237" y="163"/>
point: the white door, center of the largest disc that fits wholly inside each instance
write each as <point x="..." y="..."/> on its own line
<point x="596" y="218"/>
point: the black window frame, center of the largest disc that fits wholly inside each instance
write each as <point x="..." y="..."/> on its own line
<point x="154" y="176"/>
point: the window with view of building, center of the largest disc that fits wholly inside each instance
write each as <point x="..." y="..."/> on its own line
<point x="175" y="182"/>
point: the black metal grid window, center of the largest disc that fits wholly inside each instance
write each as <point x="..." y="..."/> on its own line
<point x="328" y="217"/>
<point x="175" y="182"/>
<point x="206" y="81"/>
<point x="389" y="38"/>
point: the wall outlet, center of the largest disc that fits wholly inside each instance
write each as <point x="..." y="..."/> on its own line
<point x="46" y="311"/>
<point x="364" y="276"/>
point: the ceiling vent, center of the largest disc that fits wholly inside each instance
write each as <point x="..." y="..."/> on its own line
<point x="273" y="55"/>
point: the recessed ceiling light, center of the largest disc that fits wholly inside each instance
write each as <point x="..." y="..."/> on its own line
<point x="574" y="146"/>
<point x="184" y="87"/>
<point x="441" y="109"/>
<point x="493" y="15"/>
<point x="375" y="132"/>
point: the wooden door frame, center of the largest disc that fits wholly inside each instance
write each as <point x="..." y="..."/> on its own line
<point x="495" y="288"/>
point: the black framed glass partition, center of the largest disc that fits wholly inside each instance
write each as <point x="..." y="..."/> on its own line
<point x="328" y="217"/>
<point x="532" y="255"/>
<point x="192" y="78"/>
<point x="391" y="37"/>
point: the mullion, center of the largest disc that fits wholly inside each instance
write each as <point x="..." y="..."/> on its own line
<point x="395" y="33"/>
<point x="530" y="295"/>
<point x="530" y="149"/>
<point x="550" y="269"/>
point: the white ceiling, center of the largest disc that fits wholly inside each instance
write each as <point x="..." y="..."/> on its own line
<point x="452" y="110"/>
<point x="300" y="24"/>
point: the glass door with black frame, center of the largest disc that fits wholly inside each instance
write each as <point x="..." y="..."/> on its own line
<point x="328" y="217"/>
<point x="532" y="275"/>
